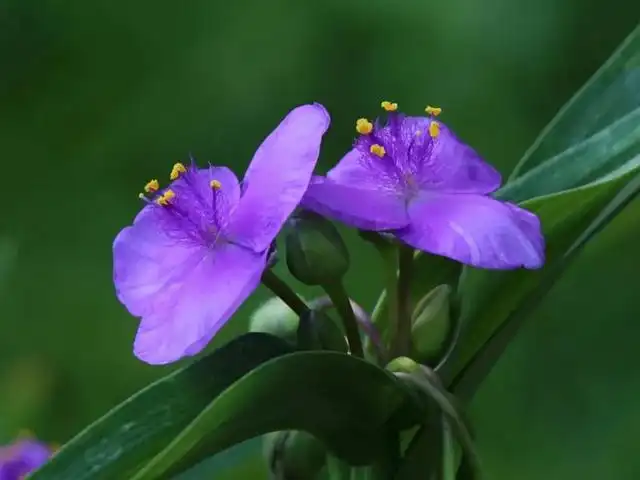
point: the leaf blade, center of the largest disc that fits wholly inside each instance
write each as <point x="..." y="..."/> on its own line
<point x="352" y="424"/>
<point x="131" y="433"/>
<point x="476" y="370"/>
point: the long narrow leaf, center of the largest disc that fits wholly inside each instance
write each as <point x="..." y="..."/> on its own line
<point x="476" y="370"/>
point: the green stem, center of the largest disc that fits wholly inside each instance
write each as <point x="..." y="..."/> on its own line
<point x="284" y="291"/>
<point x="341" y="302"/>
<point x="401" y="344"/>
<point x="388" y="298"/>
<point x="386" y="301"/>
<point x="449" y="465"/>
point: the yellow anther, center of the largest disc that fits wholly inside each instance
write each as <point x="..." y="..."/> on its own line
<point x="434" y="129"/>
<point x="435" y="111"/>
<point x="177" y="170"/>
<point x="364" y="126"/>
<point x="389" y="107"/>
<point x="377" y="150"/>
<point x="165" y="198"/>
<point x="152" y="186"/>
<point x="169" y="194"/>
<point x="142" y="196"/>
<point x="215" y="184"/>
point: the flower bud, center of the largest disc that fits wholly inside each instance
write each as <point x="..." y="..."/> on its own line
<point x="316" y="331"/>
<point x="403" y="365"/>
<point x="316" y="253"/>
<point x="276" y="318"/>
<point x="294" y="454"/>
<point x="430" y="325"/>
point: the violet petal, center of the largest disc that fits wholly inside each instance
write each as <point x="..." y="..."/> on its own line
<point x="443" y="164"/>
<point x="198" y="304"/>
<point x="363" y="208"/>
<point x="475" y="230"/>
<point x="278" y="176"/>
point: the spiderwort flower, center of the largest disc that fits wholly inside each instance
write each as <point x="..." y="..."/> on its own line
<point x="412" y="176"/>
<point x="22" y="457"/>
<point x="199" y="247"/>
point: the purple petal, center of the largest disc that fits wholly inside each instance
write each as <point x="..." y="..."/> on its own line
<point x="366" y="172"/>
<point x="445" y="163"/>
<point x="362" y="208"/>
<point x="149" y="258"/>
<point x="475" y="230"/>
<point x="278" y="176"/>
<point x="201" y="304"/>
<point x="183" y="291"/>
<point x="21" y="458"/>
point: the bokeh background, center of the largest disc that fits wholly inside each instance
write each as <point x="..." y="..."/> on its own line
<point x="98" y="97"/>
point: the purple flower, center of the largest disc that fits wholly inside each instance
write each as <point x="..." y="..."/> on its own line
<point x="22" y="457"/>
<point x="199" y="248"/>
<point x="415" y="178"/>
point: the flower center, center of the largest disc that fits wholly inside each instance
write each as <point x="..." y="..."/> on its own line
<point x="193" y="207"/>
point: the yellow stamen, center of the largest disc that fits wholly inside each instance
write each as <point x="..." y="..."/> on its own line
<point x="435" y="111"/>
<point x="389" y="107"/>
<point x="152" y="186"/>
<point x="377" y="150"/>
<point x="364" y="126"/>
<point x="177" y="170"/>
<point x="142" y="196"/>
<point x="169" y="194"/>
<point x="434" y="129"/>
<point x="165" y="198"/>
<point x="215" y="184"/>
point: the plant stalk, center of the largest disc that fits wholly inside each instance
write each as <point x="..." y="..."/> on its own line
<point x="284" y="291"/>
<point x="342" y="304"/>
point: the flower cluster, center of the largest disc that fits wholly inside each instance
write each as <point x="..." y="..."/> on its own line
<point x="200" y="246"/>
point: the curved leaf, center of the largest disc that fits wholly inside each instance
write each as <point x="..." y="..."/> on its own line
<point x="489" y="297"/>
<point x="475" y="371"/>
<point x="611" y="94"/>
<point x="340" y="399"/>
<point x="128" y="436"/>
<point x="611" y="148"/>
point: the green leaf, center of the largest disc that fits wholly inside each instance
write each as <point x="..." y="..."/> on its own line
<point x="423" y="454"/>
<point x="245" y="460"/>
<point x="615" y="147"/>
<point x="489" y="297"/>
<point x="428" y="385"/>
<point x="478" y="368"/>
<point x="611" y="94"/>
<point x="343" y="401"/>
<point x="128" y="436"/>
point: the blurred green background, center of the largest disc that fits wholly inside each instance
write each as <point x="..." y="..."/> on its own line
<point x="98" y="97"/>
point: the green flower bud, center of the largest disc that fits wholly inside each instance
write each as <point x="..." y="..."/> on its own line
<point x="316" y="254"/>
<point x="403" y="365"/>
<point x="407" y="415"/>
<point x="317" y="331"/>
<point x="276" y="318"/>
<point x="294" y="455"/>
<point x="431" y="322"/>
